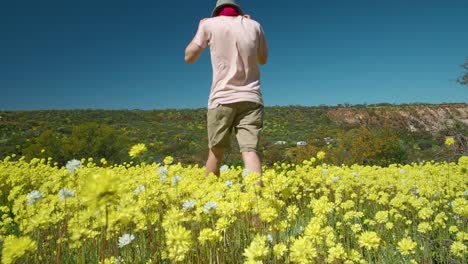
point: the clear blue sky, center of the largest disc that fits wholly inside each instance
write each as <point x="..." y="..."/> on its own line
<point x="130" y="54"/>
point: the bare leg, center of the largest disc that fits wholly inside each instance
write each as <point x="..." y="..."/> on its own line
<point x="252" y="162"/>
<point x="215" y="157"/>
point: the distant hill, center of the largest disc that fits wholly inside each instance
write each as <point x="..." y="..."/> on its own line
<point x="430" y="118"/>
<point x="416" y="132"/>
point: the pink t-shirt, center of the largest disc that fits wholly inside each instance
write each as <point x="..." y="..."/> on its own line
<point x="234" y="44"/>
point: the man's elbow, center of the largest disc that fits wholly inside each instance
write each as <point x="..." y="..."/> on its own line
<point x="192" y="52"/>
<point x="188" y="59"/>
<point x="262" y="60"/>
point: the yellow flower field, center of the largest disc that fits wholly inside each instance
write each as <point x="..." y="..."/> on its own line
<point x="170" y="213"/>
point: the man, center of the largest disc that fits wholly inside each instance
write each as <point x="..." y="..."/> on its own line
<point x="237" y="45"/>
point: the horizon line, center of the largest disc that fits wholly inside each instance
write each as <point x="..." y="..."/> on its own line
<point x="341" y="105"/>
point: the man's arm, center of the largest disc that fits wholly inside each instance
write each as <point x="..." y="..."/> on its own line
<point x="262" y="51"/>
<point x="262" y="57"/>
<point x="192" y="52"/>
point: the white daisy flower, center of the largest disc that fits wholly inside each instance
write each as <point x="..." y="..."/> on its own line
<point x="139" y="189"/>
<point x="125" y="239"/>
<point x="270" y="238"/>
<point x="189" y="204"/>
<point x="162" y="170"/>
<point x="210" y="206"/>
<point x="162" y="178"/>
<point x="224" y="168"/>
<point x="65" y="193"/>
<point x="34" y="196"/>
<point x="176" y="179"/>
<point x="245" y="172"/>
<point x="228" y="183"/>
<point x="73" y="165"/>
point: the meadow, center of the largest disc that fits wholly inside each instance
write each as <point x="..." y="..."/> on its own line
<point x="167" y="212"/>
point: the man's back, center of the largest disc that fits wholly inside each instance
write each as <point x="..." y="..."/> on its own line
<point x="237" y="46"/>
<point x="236" y="43"/>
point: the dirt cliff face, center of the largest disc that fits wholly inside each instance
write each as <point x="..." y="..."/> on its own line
<point x="430" y="118"/>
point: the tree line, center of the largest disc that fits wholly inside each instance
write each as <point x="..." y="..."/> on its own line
<point x="98" y="134"/>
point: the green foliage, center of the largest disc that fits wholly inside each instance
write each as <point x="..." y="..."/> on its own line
<point x="364" y="146"/>
<point x="96" y="141"/>
<point x="48" y="144"/>
<point x="464" y="78"/>
<point x="376" y="136"/>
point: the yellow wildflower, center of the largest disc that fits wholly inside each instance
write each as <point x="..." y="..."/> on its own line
<point x="356" y="228"/>
<point x="406" y="246"/>
<point x="314" y="229"/>
<point x="462" y="236"/>
<point x="208" y="235"/>
<point x="460" y="206"/>
<point x="168" y="160"/>
<point x="224" y="222"/>
<point x="320" y="155"/>
<point x="347" y="205"/>
<point x="439" y="220"/>
<point x="453" y="229"/>
<point x="352" y="215"/>
<point x="302" y="251"/>
<point x="449" y="141"/>
<point x="389" y="225"/>
<point x="173" y="217"/>
<point x="335" y="253"/>
<point x="321" y="206"/>
<point x="178" y="241"/>
<point x="15" y="247"/>
<point x="279" y="250"/>
<point x="424" y="227"/>
<point x="369" y="240"/>
<point x="257" y="250"/>
<point x="282" y="225"/>
<point x="101" y="189"/>
<point x="268" y="214"/>
<point x="292" y="211"/>
<point x="381" y="217"/>
<point x="463" y="162"/>
<point x="458" y="249"/>
<point x="425" y="213"/>
<point x="137" y="150"/>
<point x="329" y="235"/>
<point x="110" y="260"/>
<point x="354" y="256"/>
<point x="369" y="222"/>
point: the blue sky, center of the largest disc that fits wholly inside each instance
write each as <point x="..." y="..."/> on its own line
<point x="130" y="54"/>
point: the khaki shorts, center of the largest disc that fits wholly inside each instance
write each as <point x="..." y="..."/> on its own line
<point x="245" y="118"/>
